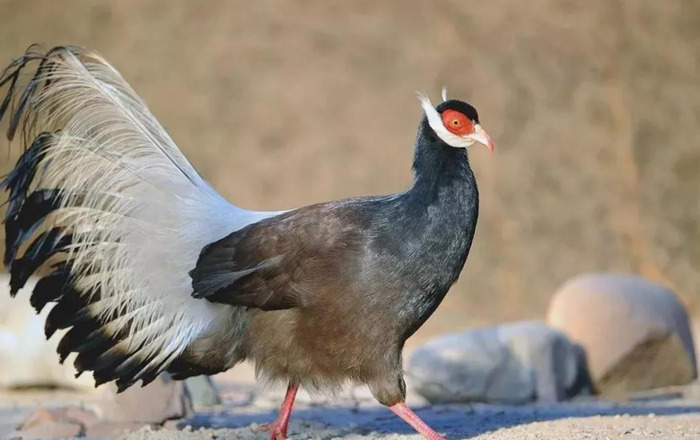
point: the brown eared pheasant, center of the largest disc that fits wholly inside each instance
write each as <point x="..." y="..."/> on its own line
<point x="151" y="270"/>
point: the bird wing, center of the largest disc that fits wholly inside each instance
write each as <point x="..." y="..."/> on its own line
<point x="283" y="261"/>
<point x="117" y="214"/>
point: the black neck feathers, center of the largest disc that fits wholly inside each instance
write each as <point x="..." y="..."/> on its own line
<point x="441" y="211"/>
<point x="438" y="166"/>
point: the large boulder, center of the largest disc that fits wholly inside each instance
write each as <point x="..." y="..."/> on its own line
<point x="513" y="363"/>
<point x="635" y="333"/>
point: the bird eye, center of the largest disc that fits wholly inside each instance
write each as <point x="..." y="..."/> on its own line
<point x="457" y="122"/>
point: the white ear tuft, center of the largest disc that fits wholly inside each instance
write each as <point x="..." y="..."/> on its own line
<point x="444" y="93"/>
<point x="425" y="103"/>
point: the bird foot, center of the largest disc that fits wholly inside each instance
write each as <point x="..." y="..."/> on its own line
<point x="277" y="430"/>
<point x="401" y="410"/>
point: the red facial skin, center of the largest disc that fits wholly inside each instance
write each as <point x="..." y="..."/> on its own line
<point x="457" y="123"/>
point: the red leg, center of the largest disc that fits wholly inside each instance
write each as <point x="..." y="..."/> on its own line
<point x="278" y="428"/>
<point x="403" y="411"/>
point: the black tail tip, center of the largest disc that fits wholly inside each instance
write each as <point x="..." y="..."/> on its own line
<point x="123" y="386"/>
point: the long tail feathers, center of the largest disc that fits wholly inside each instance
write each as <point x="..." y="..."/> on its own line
<point x="117" y="215"/>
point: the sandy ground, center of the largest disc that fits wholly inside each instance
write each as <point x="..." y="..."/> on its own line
<point x="668" y="415"/>
<point x="356" y="415"/>
<point x="488" y="422"/>
<point x="676" y="419"/>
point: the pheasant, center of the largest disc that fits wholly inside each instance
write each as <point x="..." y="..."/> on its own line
<point x="152" y="271"/>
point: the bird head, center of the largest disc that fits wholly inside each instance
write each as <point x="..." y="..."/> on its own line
<point x="455" y="122"/>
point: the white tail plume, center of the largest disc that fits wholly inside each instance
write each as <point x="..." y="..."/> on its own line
<point x="132" y="211"/>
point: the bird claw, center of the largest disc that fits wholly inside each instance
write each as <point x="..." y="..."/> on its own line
<point x="277" y="430"/>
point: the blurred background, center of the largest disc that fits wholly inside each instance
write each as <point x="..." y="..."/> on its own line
<point x="594" y="108"/>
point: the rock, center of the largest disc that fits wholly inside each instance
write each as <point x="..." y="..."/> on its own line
<point x="512" y="363"/>
<point x="26" y="358"/>
<point x="83" y="416"/>
<point x="161" y="400"/>
<point x="692" y="391"/>
<point x="70" y="421"/>
<point x="173" y="425"/>
<point x="50" y="430"/>
<point x="635" y="333"/>
<point x="68" y="414"/>
<point x="695" y="331"/>
<point x="203" y="391"/>
<point x="38" y="417"/>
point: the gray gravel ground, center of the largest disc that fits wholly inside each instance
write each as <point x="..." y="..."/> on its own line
<point x="663" y="415"/>
<point x="668" y="421"/>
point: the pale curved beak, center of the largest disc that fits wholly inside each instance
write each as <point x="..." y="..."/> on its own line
<point x="481" y="137"/>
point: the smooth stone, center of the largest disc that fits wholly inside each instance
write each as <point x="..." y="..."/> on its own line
<point x="511" y="363"/>
<point x="635" y="333"/>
